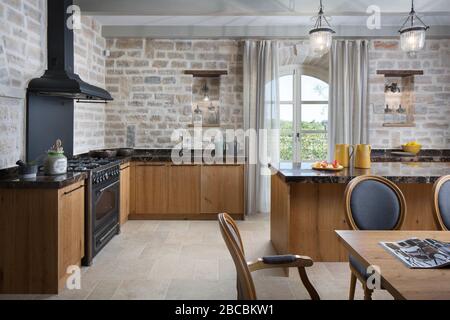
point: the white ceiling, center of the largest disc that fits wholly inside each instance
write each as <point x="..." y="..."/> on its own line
<point x="253" y="17"/>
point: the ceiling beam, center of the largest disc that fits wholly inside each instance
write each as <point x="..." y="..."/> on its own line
<point x="252" y="7"/>
<point x="285" y="32"/>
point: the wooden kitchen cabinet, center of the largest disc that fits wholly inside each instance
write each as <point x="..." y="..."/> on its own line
<point x="71" y="228"/>
<point x="41" y="235"/>
<point x="184" y="189"/>
<point x="169" y="191"/>
<point x="151" y="188"/>
<point x="222" y="189"/>
<point x="125" y="175"/>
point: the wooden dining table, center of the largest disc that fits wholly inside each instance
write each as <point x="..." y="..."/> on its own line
<point x="400" y="281"/>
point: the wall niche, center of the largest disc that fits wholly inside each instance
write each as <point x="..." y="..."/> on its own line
<point x="400" y="99"/>
<point x="206" y="97"/>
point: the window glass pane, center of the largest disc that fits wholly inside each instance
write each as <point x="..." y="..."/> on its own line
<point x="314" y="117"/>
<point x="314" y="89"/>
<point x="286" y="145"/>
<point x="286" y="114"/>
<point x="286" y="88"/>
<point x="313" y="147"/>
<point x="286" y="131"/>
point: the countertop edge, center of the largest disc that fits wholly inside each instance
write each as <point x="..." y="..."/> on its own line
<point x="30" y="184"/>
<point x="419" y="179"/>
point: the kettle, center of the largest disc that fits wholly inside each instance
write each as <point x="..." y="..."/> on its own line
<point x="362" y="156"/>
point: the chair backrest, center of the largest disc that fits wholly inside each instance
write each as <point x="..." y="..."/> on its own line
<point x="230" y="233"/>
<point x="441" y="202"/>
<point x="374" y="203"/>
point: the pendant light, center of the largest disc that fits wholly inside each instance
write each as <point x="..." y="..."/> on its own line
<point x="320" y="36"/>
<point x="205" y="90"/>
<point x="413" y="33"/>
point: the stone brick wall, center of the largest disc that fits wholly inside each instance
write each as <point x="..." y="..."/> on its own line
<point x="294" y="53"/>
<point x="153" y="96"/>
<point x="90" y="66"/>
<point x="23" y="43"/>
<point x="22" y="37"/>
<point x="431" y="92"/>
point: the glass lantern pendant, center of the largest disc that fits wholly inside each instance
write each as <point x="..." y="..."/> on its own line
<point x="413" y="33"/>
<point x="205" y="90"/>
<point x="320" y="37"/>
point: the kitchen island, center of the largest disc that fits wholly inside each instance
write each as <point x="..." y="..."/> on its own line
<point x="308" y="205"/>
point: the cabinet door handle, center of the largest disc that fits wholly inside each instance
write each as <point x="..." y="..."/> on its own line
<point x="184" y="165"/>
<point x="107" y="187"/>
<point x="121" y="169"/>
<point x="73" y="190"/>
<point x="151" y="165"/>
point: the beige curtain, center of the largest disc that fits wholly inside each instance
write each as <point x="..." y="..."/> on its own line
<point x="348" y="103"/>
<point x="261" y="121"/>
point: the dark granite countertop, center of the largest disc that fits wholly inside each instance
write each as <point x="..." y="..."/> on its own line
<point x="165" y="155"/>
<point x="426" y="155"/>
<point x="41" y="181"/>
<point x="397" y="172"/>
<point x="9" y="177"/>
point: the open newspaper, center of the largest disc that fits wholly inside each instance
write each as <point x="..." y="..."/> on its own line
<point x="420" y="254"/>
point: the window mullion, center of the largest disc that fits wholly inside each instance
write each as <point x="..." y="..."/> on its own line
<point x="298" y="120"/>
<point x="314" y="102"/>
<point x="294" y="109"/>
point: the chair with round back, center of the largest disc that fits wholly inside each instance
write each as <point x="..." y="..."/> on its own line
<point x="371" y="203"/>
<point x="245" y="285"/>
<point x="441" y="202"/>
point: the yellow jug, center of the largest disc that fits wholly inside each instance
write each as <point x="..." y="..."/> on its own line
<point x="342" y="154"/>
<point x="362" y="156"/>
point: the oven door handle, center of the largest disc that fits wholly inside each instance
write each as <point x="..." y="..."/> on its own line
<point x="111" y="185"/>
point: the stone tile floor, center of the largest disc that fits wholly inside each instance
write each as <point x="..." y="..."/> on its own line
<point x="189" y="260"/>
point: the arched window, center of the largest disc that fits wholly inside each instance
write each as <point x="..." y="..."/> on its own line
<point x="303" y="115"/>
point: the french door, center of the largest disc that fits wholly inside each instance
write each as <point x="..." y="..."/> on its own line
<point x="303" y="116"/>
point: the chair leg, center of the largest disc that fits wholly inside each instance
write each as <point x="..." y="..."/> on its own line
<point x="352" y="286"/>
<point x="367" y="293"/>
<point x="309" y="287"/>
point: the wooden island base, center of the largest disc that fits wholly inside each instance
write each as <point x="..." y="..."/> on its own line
<point x="304" y="217"/>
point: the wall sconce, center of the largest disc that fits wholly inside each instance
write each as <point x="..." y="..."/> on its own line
<point x="392" y="88"/>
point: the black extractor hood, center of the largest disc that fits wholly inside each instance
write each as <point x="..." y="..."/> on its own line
<point x="59" y="79"/>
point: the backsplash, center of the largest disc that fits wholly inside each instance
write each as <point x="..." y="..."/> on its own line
<point x="152" y="93"/>
<point x="90" y="66"/>
<point x="432" y="94"/>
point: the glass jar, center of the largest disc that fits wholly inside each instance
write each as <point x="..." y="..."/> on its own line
<point x="55" y="163"/>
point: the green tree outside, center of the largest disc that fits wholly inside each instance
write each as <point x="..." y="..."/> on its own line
<point x="313" y="145"/>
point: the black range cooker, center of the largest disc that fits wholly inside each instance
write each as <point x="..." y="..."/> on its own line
<point x="102" y="202"/>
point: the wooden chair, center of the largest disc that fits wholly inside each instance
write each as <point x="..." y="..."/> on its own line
<point x="441" y="202"/>
<point x="371" y="203"/>
<point x="245" y="285"/>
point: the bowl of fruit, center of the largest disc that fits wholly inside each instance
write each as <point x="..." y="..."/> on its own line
<point x="412" y="147"/>
<point x="327" y="166"/>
